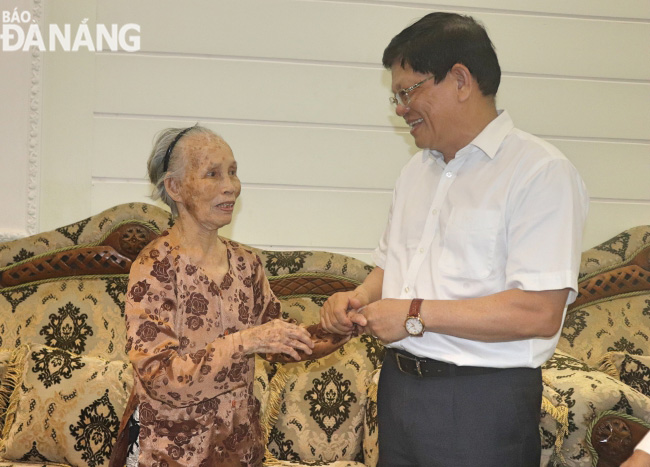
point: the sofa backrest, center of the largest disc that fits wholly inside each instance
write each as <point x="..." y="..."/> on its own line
<point x="612" y="310"/>
<point x="65" y="288"/>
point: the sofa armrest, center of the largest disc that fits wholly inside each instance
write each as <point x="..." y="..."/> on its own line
<point x="613" y="437"/>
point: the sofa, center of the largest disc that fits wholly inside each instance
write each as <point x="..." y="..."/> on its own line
<point x="65" y="378"/>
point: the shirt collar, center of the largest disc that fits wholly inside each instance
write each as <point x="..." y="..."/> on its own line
<point x="487" y="141"/>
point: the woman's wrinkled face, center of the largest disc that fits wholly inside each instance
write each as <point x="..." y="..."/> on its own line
<point x="209" y="186"/>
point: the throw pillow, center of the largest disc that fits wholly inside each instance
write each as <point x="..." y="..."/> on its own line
<point x="317" y="407"/>
<point x="66" y="408"/>
<point x="370" y="423"/>
<point x="9" y="360"/>
<point x="5" y="358"/>
<point x="633" y="370"/>
<point x="261" y="385"/>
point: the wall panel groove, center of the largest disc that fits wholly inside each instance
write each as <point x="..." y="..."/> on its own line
<point x="298" y="91"/>
<point x="637" y="10"/>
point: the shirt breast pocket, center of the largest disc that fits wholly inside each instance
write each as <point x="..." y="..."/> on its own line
<point x="469" y="243"/>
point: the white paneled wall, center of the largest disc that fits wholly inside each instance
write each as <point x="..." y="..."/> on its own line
<point x="297" y="88"/>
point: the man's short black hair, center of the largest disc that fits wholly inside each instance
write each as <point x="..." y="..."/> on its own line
<point x="438" y="41"/>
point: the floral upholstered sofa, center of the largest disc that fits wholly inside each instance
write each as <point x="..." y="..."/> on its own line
<point x="601" y="367"/>
<point x="65" y="379"/>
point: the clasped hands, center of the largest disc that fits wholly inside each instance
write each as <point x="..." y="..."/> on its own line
<point x="348" y="313"/>
<point x="343" y="316"/>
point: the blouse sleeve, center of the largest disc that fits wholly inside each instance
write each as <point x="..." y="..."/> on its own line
<point x="153" y="343"/>
<point x="265" y="299"/>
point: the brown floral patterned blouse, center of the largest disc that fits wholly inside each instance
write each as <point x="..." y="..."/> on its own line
<point x="194" y="385"/>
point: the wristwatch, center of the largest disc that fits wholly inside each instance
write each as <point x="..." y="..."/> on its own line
<point x="413" y="324"/>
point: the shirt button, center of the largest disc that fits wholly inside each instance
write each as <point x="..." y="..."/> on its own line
<point x="448" y="174"/>
<point x="406" y="289"/>
<point x="421" y="250"/>
<point x="434" y="212"/>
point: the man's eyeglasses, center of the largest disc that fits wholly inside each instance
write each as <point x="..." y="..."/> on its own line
<point x="402" y="97"/>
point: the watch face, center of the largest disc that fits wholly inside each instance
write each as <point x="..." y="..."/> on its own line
<point x="414" y="326"/>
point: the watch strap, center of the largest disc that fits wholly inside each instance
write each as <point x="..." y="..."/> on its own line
<point x="414" y="309"/>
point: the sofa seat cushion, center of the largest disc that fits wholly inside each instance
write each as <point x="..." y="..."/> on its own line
<point x="588" y="392"/>
<point x="65" y="408"/>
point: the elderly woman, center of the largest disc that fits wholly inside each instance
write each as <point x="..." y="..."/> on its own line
<point x="197" y="310"/>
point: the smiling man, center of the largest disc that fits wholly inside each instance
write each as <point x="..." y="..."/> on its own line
<point x="476" y="266"/>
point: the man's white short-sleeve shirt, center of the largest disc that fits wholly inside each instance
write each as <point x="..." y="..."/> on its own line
<point x="507" y="212"/>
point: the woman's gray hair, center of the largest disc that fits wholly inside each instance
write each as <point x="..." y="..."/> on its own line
<point x="175" y="164"/>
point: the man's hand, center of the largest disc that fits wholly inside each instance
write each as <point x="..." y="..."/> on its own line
<point x="638" y="459"/>
<point x="334" y="314"/>
<point x="383" y="319"/>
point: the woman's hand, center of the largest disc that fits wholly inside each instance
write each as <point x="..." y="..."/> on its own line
<point x="277" y="336"/>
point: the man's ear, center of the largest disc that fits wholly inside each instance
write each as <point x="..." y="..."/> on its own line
<point x="464" y="80"/>
<point x="172" y="186"/>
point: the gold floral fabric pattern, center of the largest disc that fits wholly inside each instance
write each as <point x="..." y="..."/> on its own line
<point x="370" y="422"/>
<point x="6" y="385"/>
<point x="5" y="359"/>
<point x="321" y="407"/>
<point x="633" y="370"/>
<point x="614" y="251"/>
<point x="618" y="325"/>
<point x="66" y="408"/>
<point x="194" y="384"/>
<point x="587" y="392"/>
<point x="82" y="316"/>
<point x="300" y="262"/>
<point x="553" y="426"/>
<point x="83" y="232"/>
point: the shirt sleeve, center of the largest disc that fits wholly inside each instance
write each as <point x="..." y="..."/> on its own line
<point x="546" y="215"/>
<point x="380" y="253"/>
<point x="644" y="444"/>
<point x="153" y="343"/>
